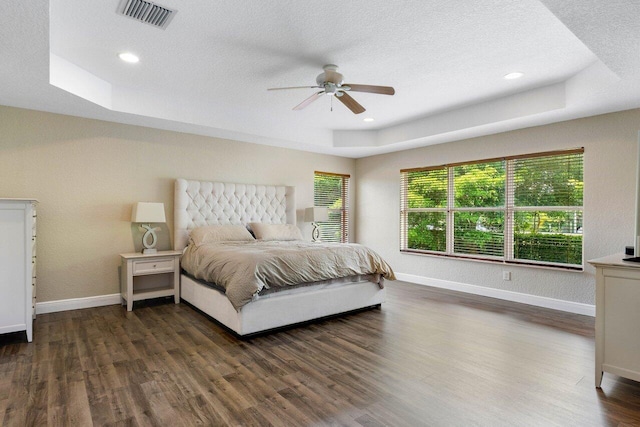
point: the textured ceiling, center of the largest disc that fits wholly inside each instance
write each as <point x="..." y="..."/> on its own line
<point x="208" y="72"/>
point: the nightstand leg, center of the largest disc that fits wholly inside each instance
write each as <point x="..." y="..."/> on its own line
<point x="129" y="286"/>
<point x="599" y="374"/>
<point x="176" y="280"/>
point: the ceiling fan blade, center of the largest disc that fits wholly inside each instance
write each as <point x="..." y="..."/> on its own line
<point x="351" y="103"/>
<point x="383" y="90"/>
<point x="294" y="87"/>
<point x="309" y="100"/>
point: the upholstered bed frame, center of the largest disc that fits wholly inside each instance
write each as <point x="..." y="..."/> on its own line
<point x="199" y="203"/>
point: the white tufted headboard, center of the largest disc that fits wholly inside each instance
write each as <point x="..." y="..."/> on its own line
<point x="198" y="203"/>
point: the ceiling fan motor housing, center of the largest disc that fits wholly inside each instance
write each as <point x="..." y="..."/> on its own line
<point x="330" y="75"/>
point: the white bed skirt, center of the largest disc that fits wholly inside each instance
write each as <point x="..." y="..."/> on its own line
<point x="282" y="308"/>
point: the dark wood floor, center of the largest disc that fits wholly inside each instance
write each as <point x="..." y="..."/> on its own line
<point x="428" y="357"/>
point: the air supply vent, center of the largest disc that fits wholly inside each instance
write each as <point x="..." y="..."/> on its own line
<point x="147" y="12"/>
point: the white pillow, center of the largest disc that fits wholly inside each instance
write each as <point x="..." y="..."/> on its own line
<point x="275" y="231"/>
<point x="219" y="233"/>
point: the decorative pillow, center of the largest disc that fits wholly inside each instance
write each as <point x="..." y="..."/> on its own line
<point x="275" y="231"/>
<point x="219" y="233"/>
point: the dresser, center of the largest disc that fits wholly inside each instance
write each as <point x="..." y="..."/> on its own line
<point x="617" y="317"/>
<point x="17" y="265"/>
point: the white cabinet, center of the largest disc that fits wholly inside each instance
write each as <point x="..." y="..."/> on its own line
<point x="17" y="265"/>
<point x="617" y="317"/>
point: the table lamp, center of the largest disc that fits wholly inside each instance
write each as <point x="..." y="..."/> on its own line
<point x="314" y="215"/>
<point x="147" y="213"/>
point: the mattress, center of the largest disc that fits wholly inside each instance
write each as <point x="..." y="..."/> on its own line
<point x="301" y="287"/>
<point x="246" y="270"/>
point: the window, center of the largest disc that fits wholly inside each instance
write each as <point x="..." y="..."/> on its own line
<point x="524" y="209"/>
<point x="331" y="190"/>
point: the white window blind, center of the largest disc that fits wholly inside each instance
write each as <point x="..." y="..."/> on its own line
<point x="521" y="209"/>
<point x="331" y="190"/>
<point x="478" y="208"/>
<point x="424" y="209"/>
<point x="546" y="199"/>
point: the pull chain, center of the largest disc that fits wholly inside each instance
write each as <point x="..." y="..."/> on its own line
<point x="331" y="102"/>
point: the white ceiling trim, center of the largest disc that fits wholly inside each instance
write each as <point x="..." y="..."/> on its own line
<point x="73" y="79"/>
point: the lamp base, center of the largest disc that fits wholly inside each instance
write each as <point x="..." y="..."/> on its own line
<point x="315" y="234"/>
<point x="150" y="234"/>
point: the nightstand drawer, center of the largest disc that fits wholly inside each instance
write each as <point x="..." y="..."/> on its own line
<point x="153" y="266"/>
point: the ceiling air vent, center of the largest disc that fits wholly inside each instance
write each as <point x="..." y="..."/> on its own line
<point x="147" y="12"/>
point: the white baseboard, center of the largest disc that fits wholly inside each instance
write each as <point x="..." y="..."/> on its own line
<point x="556" y="304"/>
<point x="76" y="303"/>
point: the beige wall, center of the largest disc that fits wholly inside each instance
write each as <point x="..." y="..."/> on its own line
<point x="87" y="174"/>
<point x="610" y="142"/>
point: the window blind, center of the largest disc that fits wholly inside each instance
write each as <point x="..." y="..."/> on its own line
<point x="547" y="194"/>
<point x="331" y="190"/>
<point x="424" y="209"/>
<point x="478" y="208"/>
<point x="520" y="209"/>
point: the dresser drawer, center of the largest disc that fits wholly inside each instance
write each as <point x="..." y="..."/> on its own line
<point x="153" y="266"/>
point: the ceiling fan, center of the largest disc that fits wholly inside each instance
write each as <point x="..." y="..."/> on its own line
<point x="331" y="82"/>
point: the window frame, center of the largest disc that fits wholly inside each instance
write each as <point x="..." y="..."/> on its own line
<point x="509" y="208"/>
<point x="344" y="209"/>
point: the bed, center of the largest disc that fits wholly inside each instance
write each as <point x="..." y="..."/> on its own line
<point x="200" y="203"/>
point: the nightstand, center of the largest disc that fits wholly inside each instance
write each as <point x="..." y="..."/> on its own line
<point x="147" y="276"/>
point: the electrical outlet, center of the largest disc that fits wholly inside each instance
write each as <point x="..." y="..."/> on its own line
<point x="506" y="275"/>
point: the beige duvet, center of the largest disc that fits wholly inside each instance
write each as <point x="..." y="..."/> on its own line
<point x="244" y="268"/>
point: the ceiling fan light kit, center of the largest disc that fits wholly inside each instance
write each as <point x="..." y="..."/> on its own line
<point x="332" y="83"/>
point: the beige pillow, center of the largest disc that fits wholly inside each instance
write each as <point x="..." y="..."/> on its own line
<point x="275" y="231"/>
<point x="219" y="233"/>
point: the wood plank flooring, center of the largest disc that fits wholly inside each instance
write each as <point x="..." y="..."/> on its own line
<point x="428" y="357"/>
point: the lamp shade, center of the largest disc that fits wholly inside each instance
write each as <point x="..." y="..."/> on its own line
<point x="148" y="212"/>
<point x="316" y="214"/>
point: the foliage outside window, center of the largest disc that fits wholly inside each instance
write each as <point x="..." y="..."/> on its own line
<point x="331" y="190"/>
<point x="524" y="209"/>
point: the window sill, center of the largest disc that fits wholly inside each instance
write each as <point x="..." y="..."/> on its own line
<point x="557" y="267"/>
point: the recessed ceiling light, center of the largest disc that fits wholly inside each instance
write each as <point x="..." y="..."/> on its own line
<point x="128" y="57"/>
<point x="368" y="119"/>
<point x="514" y="75"/>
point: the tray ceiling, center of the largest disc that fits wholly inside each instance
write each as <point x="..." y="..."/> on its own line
<point x="208" y="71"/>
